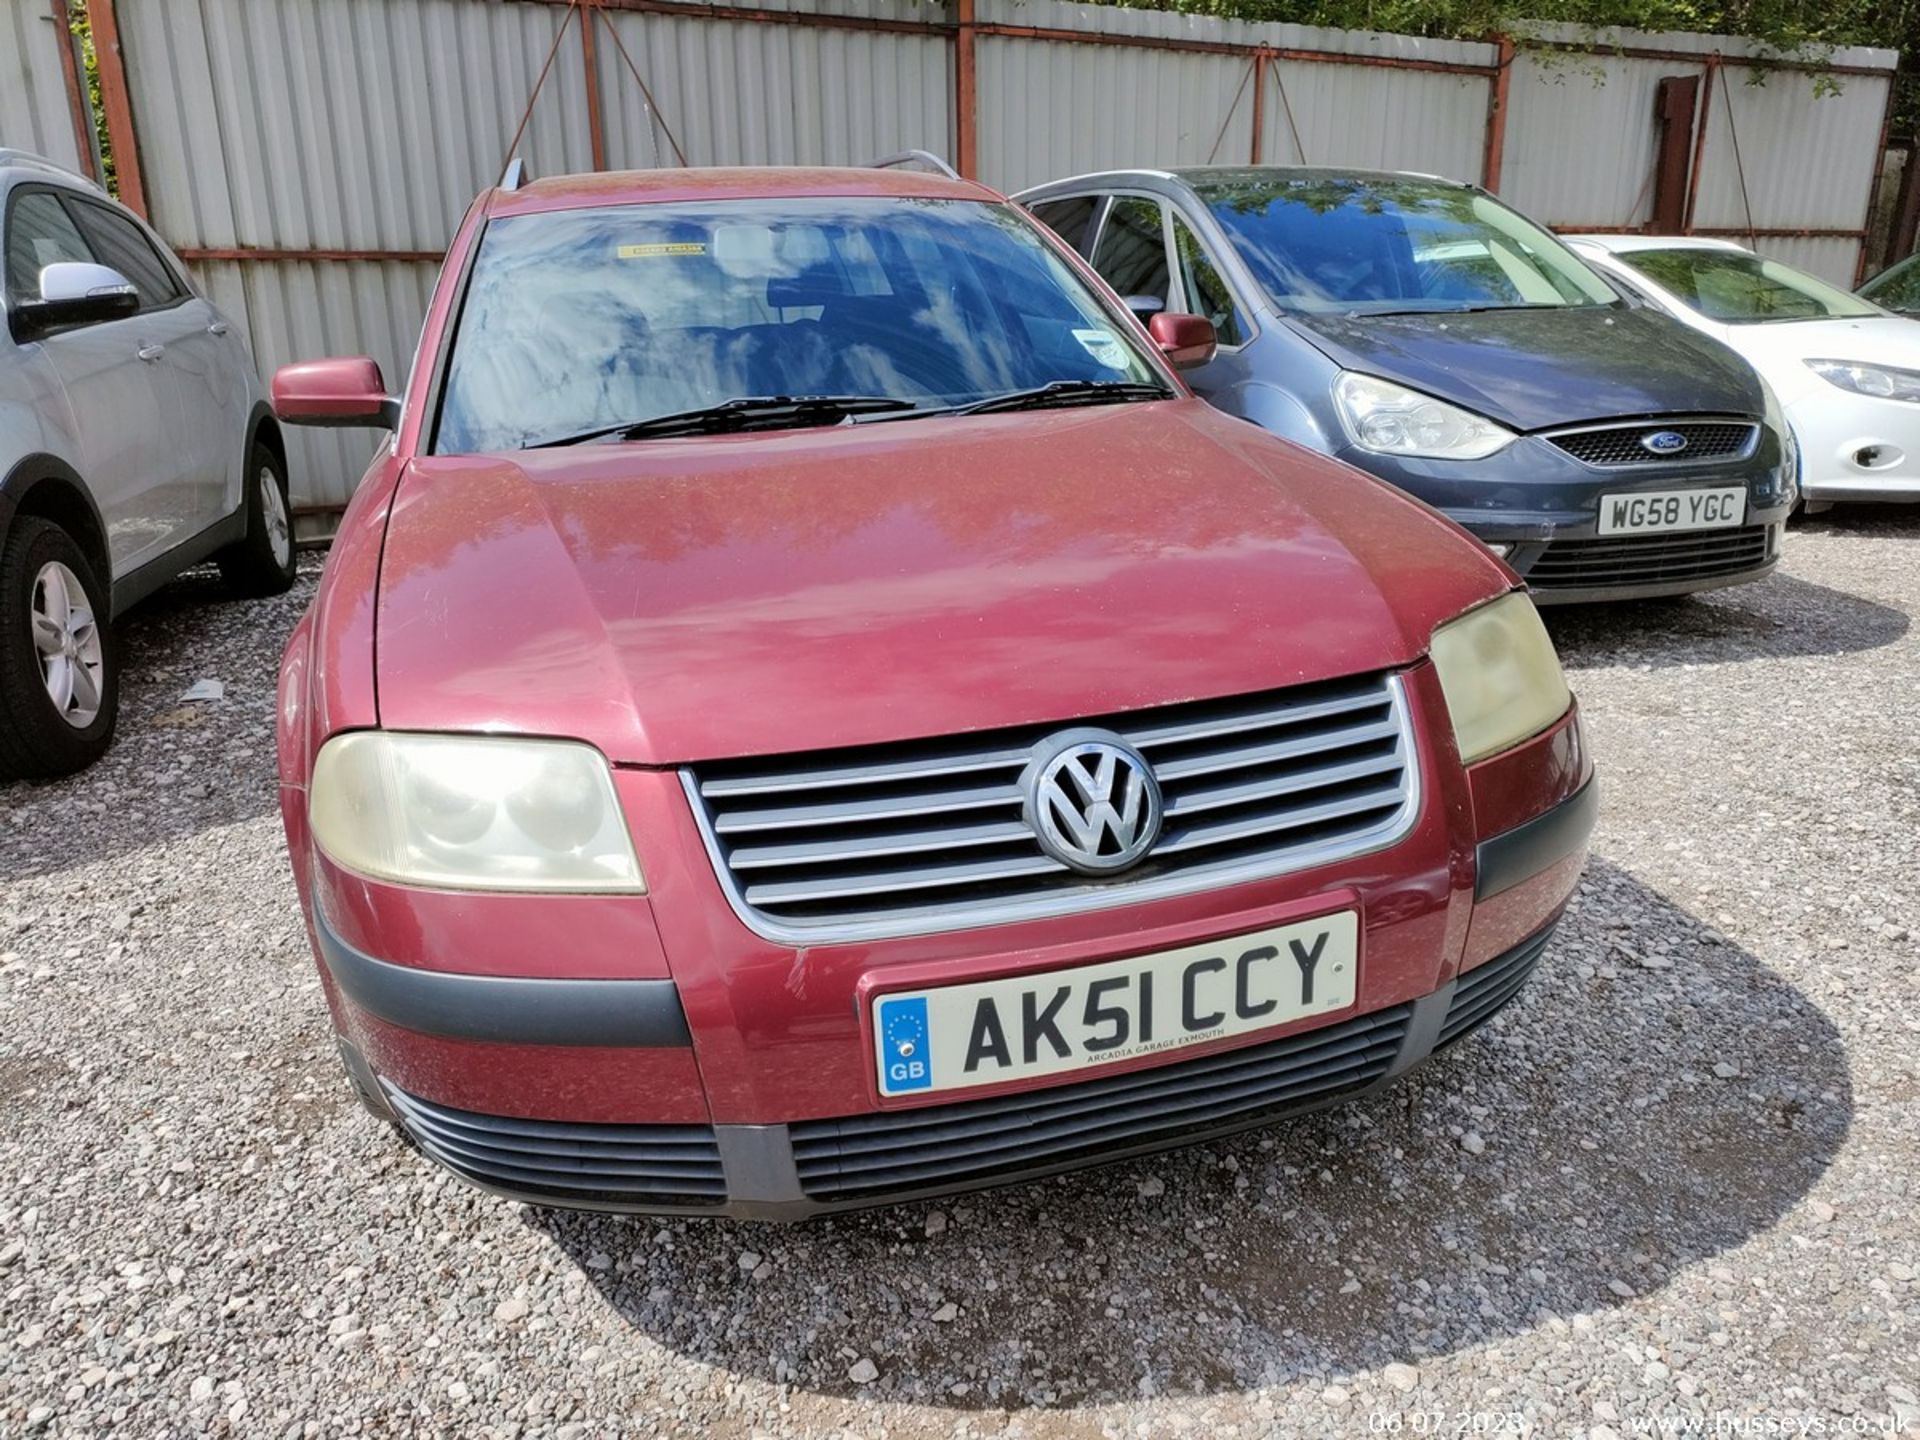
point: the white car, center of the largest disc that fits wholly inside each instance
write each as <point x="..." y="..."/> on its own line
<point x="135" y="441"/>
<point x="1847" y="373"/>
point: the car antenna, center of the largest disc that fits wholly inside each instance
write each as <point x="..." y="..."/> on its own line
<point x="516" y="174"/>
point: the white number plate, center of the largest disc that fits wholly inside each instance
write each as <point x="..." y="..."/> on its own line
<point x="1095" y="1015"/>
<point x="1672" y="510"/>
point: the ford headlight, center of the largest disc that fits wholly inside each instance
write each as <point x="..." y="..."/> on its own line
<point x="1393" y="420"/>
<point x="1776" y="417"/>
<point x="1883" y="382"/>
<point x="472" y="812"/>
<point x="1500" y="675"/>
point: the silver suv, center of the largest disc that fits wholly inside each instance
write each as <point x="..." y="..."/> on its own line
<point x="135" y="441"/>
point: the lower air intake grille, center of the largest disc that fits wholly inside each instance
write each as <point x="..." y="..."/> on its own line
<point x="978" y="1141"/>
<point x="1484" y="990"/>
<point x="1614" y="447"/>
<point x="928" y="835"/>
<point x="1627" y="560"/>
<point x="569" y="1163"/>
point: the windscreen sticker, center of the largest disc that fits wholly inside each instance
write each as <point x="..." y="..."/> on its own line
<point x="1104" y="346"/>
<point x="648" y="252"/>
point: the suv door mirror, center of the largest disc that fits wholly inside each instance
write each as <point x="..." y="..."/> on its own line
<point x="1186" y="340"/>
<point x="337" y="392"/>
<point x="75" y="292"/>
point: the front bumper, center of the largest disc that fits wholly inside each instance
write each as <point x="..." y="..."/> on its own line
<point x="1641" y="567"/>
<point x="1541" y="507"/>
<point x="1856" y="448"/>
<point x="1870" y="488"/>
<point x="796" y="1171"/>
<point x="791" y="1170"/>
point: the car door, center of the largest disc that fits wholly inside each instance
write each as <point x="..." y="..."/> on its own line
<point x="124" y="421"/>
<point x="1131" y="253"/>
<point x="193" y="363"/>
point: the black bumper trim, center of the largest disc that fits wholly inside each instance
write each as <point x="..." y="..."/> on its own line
<point x="1523" y="852"/>
<point x="510" y="1010"/>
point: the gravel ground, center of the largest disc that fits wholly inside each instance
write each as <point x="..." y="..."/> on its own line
<point x="1677" y="1179"/>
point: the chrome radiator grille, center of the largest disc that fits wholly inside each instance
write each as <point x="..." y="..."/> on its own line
<point x="1612" y="447"/>
<point x="924" y="836"/>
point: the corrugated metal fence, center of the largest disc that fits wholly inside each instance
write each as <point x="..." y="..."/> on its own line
<point x="1787" y="160"/>
<point x="311" y="157"/>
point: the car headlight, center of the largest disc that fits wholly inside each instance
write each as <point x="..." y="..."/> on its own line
<point x="472" y="812"/>
<point x="1776" y="417"/>
<point x="1390" y="419"/>
<point x="1501" y="677"/>
<point x="1883" y="382"/>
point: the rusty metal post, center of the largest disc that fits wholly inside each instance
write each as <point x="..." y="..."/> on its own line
<point x="1873" y="191"/>
<point x="1906" y="211"/>
<point x="966" y="99"/>
<point x="1259" y="104"/>
<point x="78" y="106"/>
<point x="117" y="101"/>
<point x="596" y="124"/>
<point x="1496" y="150"/>
<point x="1700" y="139"/>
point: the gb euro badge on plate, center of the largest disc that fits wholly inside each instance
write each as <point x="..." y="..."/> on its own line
<point x="904" y="1062"/>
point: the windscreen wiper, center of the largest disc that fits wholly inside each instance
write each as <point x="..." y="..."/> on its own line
<point x="1458" y="309"/>
<point x="743" y="412"/>
<point x="1067" y="392"/>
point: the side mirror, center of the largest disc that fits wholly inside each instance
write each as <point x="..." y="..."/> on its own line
<point x="338" y="392"/>
<point x="1186" y="340"/>
<point x="1144" y="307"/>
<point x="74" y="292"/>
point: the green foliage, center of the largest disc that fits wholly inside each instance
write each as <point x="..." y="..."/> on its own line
<point x="1789" y="27"/>
<point x="83" y="34"/>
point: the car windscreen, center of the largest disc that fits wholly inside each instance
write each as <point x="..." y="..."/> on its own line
<point x="1384" y="245"/>
<point x="1738" y="288"/>
<point x="580" y="319"/>
<point x="1897" y="288"/>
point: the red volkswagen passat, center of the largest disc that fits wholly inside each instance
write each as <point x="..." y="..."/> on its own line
<point x="809" y="711"/>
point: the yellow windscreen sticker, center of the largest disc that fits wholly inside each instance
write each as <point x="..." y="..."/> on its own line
<point x="647" y="252"/>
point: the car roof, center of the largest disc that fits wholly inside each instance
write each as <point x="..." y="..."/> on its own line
<point x="44" y="169"/>
<point x="1230" y="174"/>
<point x="641" y="187"/>
<point x="1196" y="176"/>
<point x="1622" y="244"/>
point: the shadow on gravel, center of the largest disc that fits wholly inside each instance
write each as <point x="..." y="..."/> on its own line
<point x="174" y="769"/>
<point x="1616" y="1155"/>
<point x="1880" y="522"/>
<point x="1777" y="617"/>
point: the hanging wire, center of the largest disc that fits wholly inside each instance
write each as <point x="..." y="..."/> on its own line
<point x="1646" y="187"/>
<point x="1230" y="109"/>
<point x="527" y="114"/>
<point x="653" y="109"/>
<point x="1286" y="107"/>
<point x="1726" y="104"/>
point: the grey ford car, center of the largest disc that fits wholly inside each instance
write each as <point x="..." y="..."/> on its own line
<point x="1434" y="337"/>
